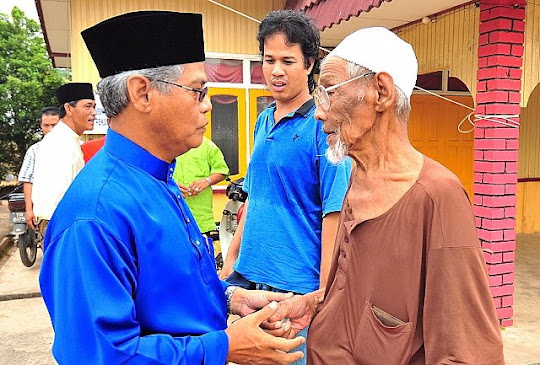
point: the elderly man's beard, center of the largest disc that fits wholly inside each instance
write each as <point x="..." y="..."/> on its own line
<point x="337" y="152"/>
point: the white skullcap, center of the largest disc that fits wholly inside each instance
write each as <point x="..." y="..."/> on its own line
<point x="379" y="49"/>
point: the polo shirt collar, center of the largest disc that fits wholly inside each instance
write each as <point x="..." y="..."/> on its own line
<point x="132" y="154"/>
<point x="306" y="107"/>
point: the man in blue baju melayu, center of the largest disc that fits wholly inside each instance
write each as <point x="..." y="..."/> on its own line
<point x="127" y="276"/>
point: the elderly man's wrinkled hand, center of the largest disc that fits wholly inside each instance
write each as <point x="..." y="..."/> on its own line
<point x="245" y="302"/>
<point x="249" y="344"/>
<point x="294" y="314"/>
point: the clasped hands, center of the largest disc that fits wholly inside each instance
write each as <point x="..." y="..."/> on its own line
<point x="269" y="324"/>
<point x="194" y="188"/>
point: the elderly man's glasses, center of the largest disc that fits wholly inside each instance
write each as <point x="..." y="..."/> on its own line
<point x="202" y="92"/>
<point x="322" y="98"/>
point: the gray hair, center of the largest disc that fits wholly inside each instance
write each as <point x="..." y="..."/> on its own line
<point x="113" y="91"/>
<point x="62" y="110"/>
<point x="403" y="105"/>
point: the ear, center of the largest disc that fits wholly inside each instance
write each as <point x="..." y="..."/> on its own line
<point x="139" y="90"/>
<point x="69" y="109"/>
<point x="386" y="92"/>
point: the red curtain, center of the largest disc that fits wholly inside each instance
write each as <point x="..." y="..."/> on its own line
<point x="257" y="76"/>
<point x="224" y="71"/>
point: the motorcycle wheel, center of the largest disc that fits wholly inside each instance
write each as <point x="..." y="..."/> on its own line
<point x="28" y="248"/>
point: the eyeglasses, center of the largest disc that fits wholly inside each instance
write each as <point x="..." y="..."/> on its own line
<point x="322" y="98"/>
<point x="202" y="92"/>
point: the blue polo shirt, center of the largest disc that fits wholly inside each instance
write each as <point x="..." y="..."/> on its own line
<point x="291" y="186"/>
<point x="126" y="274"/>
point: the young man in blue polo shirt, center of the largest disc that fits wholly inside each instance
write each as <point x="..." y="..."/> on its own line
<point x="285" y="240"/>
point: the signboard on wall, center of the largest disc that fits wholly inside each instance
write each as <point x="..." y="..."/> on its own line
<point x="100" y="123"/>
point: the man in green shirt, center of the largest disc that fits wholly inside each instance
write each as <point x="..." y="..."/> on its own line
<point x="195" y="173"/>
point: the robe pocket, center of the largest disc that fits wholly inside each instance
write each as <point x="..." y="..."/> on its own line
<point x="382" y="339"/>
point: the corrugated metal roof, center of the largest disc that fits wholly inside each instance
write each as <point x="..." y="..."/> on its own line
<point x="300" y="4"/>
<point x="329" y="12"/>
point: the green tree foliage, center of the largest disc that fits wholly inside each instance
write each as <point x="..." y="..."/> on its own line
<point x="27" y="84"/>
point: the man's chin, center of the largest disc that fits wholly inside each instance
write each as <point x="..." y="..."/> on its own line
<point x="337" y="150"/>
<point x="335" y="160"/>
<point x="197" y="141"/>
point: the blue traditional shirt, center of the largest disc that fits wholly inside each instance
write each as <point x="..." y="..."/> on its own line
<point x="291" y="186"/>
<point x="126" y="274"/>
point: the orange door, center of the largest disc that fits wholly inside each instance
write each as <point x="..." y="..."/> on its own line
<point x="433" y="130"/>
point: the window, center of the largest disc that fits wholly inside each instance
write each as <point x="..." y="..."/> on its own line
<point x="225" y="128"/>
<point x="441" y="81"/>
<point x="218" y="70"/>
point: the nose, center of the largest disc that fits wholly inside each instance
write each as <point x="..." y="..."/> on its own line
<point x="277" y="70"/>
<point x="206" y="105"/>
<point x="320" y="114"/>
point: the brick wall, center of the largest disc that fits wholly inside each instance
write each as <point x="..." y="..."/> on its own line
<point x="500" y="56"/>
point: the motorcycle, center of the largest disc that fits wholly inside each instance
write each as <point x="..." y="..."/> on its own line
<point x="25" y="238"/>
<point x="231" y="216"/>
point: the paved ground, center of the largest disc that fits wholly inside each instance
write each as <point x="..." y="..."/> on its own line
<point x="25" y="331"/>
<point x="522" y="340"/>
<point x="26" y="335"/>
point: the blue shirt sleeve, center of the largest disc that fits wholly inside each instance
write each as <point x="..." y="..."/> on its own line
<point x="334" y="178"/>
<point x="90" y="329"/>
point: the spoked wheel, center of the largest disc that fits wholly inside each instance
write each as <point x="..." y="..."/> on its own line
<point x="28" y="247"/>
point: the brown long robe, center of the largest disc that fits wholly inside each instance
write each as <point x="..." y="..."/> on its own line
<point x="410" y="286"/>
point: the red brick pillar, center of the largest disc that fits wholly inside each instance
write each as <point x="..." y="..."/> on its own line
<point x="500" y="56"/>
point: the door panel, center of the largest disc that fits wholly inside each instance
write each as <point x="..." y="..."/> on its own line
<point x="227" y="126"/>
<point x="258" y="101"/>
<point x="433" y="131"/>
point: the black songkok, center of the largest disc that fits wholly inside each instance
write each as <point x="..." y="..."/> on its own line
<point x="145" y="39"/>
<point x="74" y="91"/>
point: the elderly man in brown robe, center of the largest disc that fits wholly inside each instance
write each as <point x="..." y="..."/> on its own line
<point x="408" y="283"/>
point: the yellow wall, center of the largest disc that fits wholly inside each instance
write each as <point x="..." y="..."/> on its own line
<point x="449" y="43"/>
<point x="531" y="55"/>
<point x="528" y="195"/>
<point x="224" y="31"/>
<point x="528" y="201"/>
<point x="529" y="138"/>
